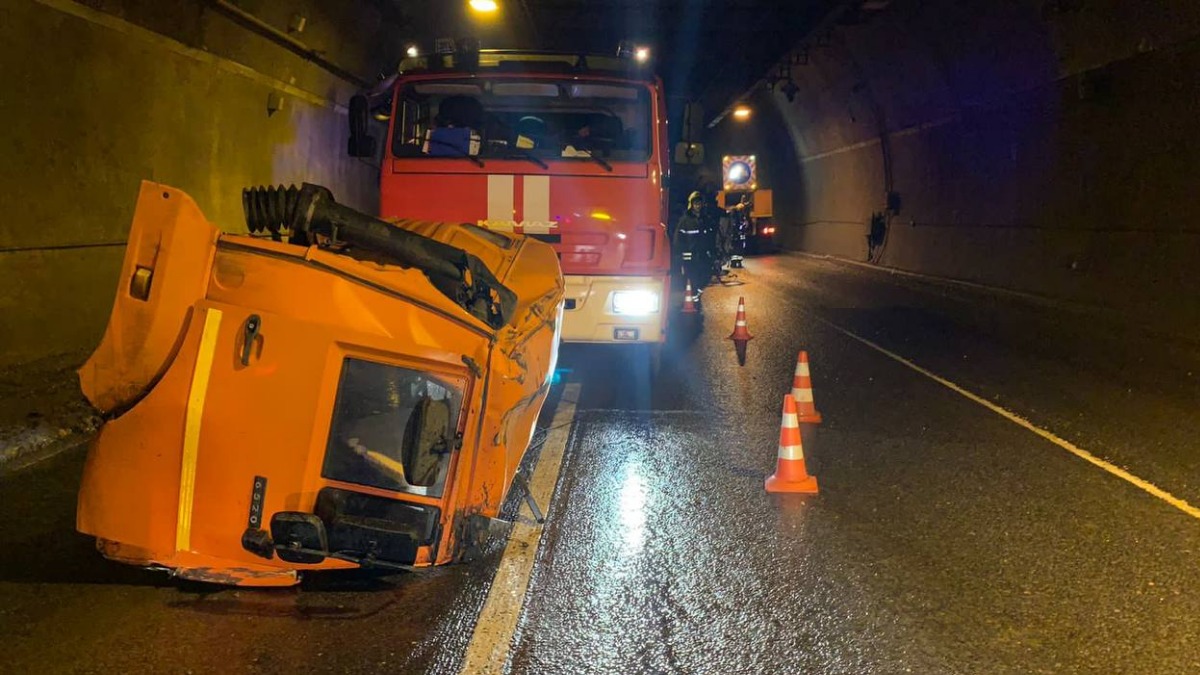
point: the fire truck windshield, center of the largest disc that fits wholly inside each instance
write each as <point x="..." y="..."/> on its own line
<point x="512" y="118"/>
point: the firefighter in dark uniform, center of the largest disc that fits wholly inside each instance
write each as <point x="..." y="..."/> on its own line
<point x="694" y="243"/>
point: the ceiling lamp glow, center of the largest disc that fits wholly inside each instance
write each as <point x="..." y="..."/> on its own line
<point x="484" y="6"/>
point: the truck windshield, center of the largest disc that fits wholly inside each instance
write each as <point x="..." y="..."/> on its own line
<point x="506" y="118"/>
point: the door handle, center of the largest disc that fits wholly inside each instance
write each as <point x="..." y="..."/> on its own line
<point x="249" y="334"/>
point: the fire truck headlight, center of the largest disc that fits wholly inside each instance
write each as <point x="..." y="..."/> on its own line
<point x="635" y="303"/>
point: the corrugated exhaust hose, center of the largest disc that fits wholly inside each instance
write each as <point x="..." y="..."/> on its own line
<point x="310" y="211"/>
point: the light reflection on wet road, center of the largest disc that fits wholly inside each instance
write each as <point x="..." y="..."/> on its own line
<point x="666" y="556"/>
<point x="945" y="538"/>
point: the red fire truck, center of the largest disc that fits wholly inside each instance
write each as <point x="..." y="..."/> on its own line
<point x="566" y="148"/>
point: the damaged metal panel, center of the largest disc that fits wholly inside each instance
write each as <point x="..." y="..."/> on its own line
<point x="382" y="381"/>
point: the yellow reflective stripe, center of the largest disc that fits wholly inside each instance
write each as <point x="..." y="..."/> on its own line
<point x="191" y="428"/>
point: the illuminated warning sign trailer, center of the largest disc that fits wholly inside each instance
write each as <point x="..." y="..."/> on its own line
<point x="739" y="173"/>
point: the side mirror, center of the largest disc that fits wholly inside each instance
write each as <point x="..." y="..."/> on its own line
<point x="689" y="153"/>
<point x="361" y="142"/>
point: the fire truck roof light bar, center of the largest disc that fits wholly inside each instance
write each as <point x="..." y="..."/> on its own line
<point x="504" y="60"/>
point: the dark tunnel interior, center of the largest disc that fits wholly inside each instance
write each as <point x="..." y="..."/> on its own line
<point x="1040" y="146"/>
<point x="982" y="235"/>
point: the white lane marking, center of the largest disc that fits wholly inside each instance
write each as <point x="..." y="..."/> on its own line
<point x="1063" y="443"/>
<point x="535" y="203"/>
<point x="500" y="196"/>
<point x="492" y="639"/>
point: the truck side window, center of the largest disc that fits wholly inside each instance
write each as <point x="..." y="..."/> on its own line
<point x="392" y="428"/>
<point x="412" y="124"/>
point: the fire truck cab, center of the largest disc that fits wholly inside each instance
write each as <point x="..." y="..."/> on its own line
<point x="568" y="149"/>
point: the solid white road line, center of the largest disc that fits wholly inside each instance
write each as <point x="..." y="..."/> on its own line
<point x="492" y="639"/>
<point x="1070" y="447"/>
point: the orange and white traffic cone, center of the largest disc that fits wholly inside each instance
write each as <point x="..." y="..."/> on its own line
<point x="689" y="300"/>
<point x="740" y="331"/>
<point x="803" y="393"/>
<point x="790" y="473"/>
<point x="741" y="334"/>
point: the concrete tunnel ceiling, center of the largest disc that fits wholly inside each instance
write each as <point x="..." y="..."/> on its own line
<point x="703" y="50"/>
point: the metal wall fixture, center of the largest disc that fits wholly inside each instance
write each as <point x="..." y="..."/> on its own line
<point x="286" y="40"/>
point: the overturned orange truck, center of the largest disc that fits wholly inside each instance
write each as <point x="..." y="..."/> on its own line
<point x="330" y="391"/>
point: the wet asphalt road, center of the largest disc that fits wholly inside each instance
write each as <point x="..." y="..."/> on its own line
<point x="946" y="538"/>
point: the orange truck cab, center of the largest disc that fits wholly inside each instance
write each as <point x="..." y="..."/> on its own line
<point x="568" y="149"/>
<point x="331" y="391"/>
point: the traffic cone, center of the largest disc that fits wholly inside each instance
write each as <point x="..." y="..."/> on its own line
<point x="689" y="301"/>
<point x="790" y="474"/>
<point x="741" y="335"/>
<point x="803" y="393"/>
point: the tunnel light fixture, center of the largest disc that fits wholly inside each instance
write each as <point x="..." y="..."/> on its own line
<point x="628" y="50"/>
<point x="484" y="6"/>
<point x="741" y="113"/>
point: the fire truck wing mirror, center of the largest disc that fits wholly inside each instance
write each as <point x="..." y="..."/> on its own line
<point x="689" y="153"/>
<point x="361" y="142"/>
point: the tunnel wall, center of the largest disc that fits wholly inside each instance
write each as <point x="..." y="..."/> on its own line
<point x="1049" y="147"/>
<point x="102" y="95"/>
